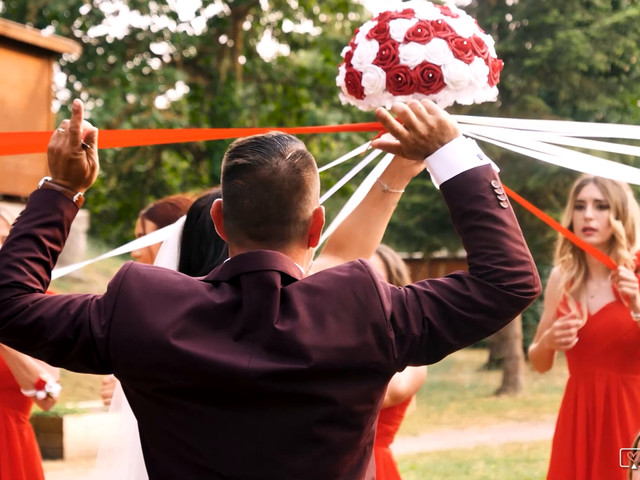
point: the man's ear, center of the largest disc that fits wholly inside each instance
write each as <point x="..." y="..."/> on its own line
<point x="316" y="226"/>
<point x="216" y="216"/>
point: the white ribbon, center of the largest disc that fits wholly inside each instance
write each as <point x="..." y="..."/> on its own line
<point x="142" y="242"/>
<point x="524" y="143"/>
<point x="357" y="196"/>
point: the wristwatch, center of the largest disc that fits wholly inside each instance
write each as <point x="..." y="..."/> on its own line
<point x="75" y="197"/>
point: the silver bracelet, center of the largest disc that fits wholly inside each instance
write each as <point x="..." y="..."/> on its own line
<point x="386" y="188"/>
<point x="635" y="316"/>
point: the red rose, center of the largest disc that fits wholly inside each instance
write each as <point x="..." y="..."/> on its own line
<point x="388" y="16"/>
<point x="479" y="47"/>
<point x="353" y="82"/>
<point x="422" y="32"/>
<point x="429" y="78"/>
<point x="406" y="13"/>
<point x="446" y="11"/>
<point x="442" y="29"/>
<point x="348" y="56"/>
<point x="379" y="33"/>
<point x="461" y="48"/>
<point x="40" y="384"/>
<point x="387" y="55"/>
<point x="400" y="80"/>
<point x="495" y="66"/>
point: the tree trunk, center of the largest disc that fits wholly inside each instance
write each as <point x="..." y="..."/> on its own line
<point x="505" y="351"/>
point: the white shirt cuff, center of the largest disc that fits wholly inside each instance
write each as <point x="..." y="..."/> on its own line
<point x="457" y="156"/>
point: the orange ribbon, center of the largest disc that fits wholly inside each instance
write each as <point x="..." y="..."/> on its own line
<point x="18" y="143"/>
<point x="572" y="237"/>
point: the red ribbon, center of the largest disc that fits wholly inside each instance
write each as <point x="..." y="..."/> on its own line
<point x="572" y="237"/>
<point x="18" y="143"/>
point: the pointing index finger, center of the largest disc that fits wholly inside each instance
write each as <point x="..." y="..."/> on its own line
<point x="75" y="123"/>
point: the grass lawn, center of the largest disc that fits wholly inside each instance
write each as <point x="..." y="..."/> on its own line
<point x="458" y="393"/>
<point x="519" y="461"/>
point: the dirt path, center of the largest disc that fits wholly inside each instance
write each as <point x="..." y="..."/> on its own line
<point x="449" y="439"/>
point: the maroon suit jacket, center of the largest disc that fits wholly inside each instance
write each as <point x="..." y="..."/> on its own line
<point x="254" y="372"/>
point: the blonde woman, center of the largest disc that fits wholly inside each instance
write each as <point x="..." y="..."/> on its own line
<point x="592" y="314"/>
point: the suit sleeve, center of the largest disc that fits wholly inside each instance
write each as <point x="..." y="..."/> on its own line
<point x="433" y="318"/>
<point x="69" y="331"/>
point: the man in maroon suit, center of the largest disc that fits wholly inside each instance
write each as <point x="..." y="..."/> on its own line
<point x="256" y="371"/>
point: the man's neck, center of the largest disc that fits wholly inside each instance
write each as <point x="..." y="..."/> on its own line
<point x="301" y="257"/>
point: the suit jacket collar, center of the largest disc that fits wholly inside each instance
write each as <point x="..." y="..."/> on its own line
<point x="255" y="261"/>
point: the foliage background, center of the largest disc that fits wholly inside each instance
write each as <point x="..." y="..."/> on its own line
<point x="575" y="60"/>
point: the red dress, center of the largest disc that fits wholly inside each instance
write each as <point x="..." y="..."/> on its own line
<point x="600" y="411"/>
<point x="19" y="453"/>
<point x="389" y="421"/>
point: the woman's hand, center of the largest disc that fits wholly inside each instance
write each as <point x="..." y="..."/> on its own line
<point x="626" y="282"/>
<point x="563" y="334"/>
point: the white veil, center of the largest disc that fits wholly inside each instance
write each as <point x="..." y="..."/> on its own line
<point x="120" y="453"/>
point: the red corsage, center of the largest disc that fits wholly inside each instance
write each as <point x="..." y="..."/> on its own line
<point x="43" y="388"/>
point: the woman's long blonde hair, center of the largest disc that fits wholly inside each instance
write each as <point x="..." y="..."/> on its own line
<point x="625" y="220"/>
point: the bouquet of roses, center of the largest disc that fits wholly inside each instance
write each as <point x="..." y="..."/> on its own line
<point x="419" y="50"/>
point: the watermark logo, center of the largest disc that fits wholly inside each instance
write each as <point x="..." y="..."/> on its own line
<point x="630" y="458"/>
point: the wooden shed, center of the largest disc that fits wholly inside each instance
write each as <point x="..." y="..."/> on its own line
<point x="26" y="93"/>
<point x="435" y="265"/>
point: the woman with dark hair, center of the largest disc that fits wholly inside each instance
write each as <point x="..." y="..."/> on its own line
<point x="404" y="385"/>
<point x="201" y="248"/>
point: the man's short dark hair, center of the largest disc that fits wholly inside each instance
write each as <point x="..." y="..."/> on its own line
<point x="270" y="186"/>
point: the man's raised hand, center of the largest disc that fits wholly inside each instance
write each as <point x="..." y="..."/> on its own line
<point x="419" y="129"/>
<point x="73" y="152"/>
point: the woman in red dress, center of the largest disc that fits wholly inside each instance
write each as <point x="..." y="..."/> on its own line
<point x="592" y="314"/>
<point x="403" y="386"/>
<point x="23" y="381"/>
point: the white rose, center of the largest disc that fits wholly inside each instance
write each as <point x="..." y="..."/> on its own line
<point x="364" y="54"/>
<point x="363" y="30"/>
<point x="412" y="54"/>
<point x="437" y="51"/>
<point x="345" y="50"/>
<point x="463" y="25"/>
<point x="491" y="43"/>
<point x="368" y="104"/>
<point x="457" y="75"/>
<point x="425" y="10"/>
<point x="479" y="72"/>
<point x="340" y="78"/>
<point x="486" y="94"/>
<point x="387" y="100"/>
<point x="398" y="28"/>
<point x="374" y="80"/>
<point x="344" y="99"/>
<point x="444" y="98"/>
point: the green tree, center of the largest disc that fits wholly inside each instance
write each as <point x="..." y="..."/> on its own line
<point x="210" y="56"/>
